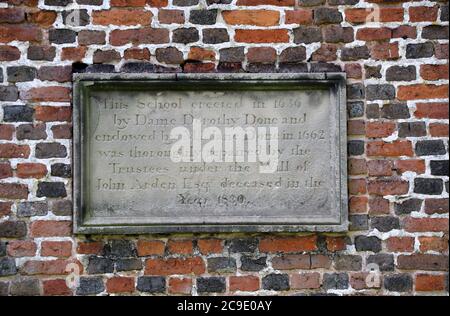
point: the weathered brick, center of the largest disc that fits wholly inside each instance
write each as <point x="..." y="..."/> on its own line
<point x="50" y="228"/>
<point x="276" y="282"/>
<point x="122" y="17"/>
<point x="215" y="36"/>
<point x="171" y="266"/>
<point x="151" y="284"/>
<point x="261" y="36"/>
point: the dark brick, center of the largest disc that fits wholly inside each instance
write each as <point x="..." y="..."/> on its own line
<point x="169" y="55"/>
<point x="380" y="92"/>
<point x="412" y="129"/>
<point x="97" y="265"/>
<point x="373" y="71"/>
<point x="137" y="67"/>
<point x="310" y="3"/>
<point x="355" y="53"/>
<point x="373" y="111"/>
<point x="122" y="248"/>
<point x="2" y="248"/>
<point x="128" y="264"/>
<point x="4" y="288"/>
<point x="21" y="73"/>
<point x="13" y="229"/>
<point x="368" y="243"/>
<point x="215" y="36"/>
<point x="358" y="222"/>
<point x="221" y="264"/>
<point x="421" y="50"/>
<point x="337" y="281"/>
<point x="243" y="245"/>
<point x="90" y="285"/>
<point x="50" y="150"/>
<point x="232" y="54"/>
<point x="355" y="109"/>
<point x="430" y="147"/>
<point x="327" y="16"/>
<point x="90" y="2"/>
<point x="348" y="262"/>
<point x="151" y="284"/>
<point x="307" y="34"/>
<point x="293" y="54"/>
<point x="355" y="91"/>
<point x="185" y="35"/>
<point x="185" y="3"/>
<point x="203" y="17"/>
<point x="27" y="209"/>
<point x="428" y="186"/>
<point x="342" y="2"/>
<point x="401" y="73"/>
<point x="9" y="93"/>
<point x="62" y="207"/>
<point x="338" y="34"/>
<point x="31" y="131"/>
<point x="325" y="67"/>
<point x="7" y="266"/>
<point x="435" y="32"/>
<point x="439" y="167"/>
<point x="292" y="68"/>
<point x="444" y="13"/>
<point x="276" y="282"/>
<point x="59" y="3"/>
<point x="26" y="287"/>
<point x="61" y="170"/>
<point x="18" y="113"/>
<point x="395" y="111"/>
<point x="355" y="147"/>
<point x="61" y="36"/>
<point x="408" y="206"/>
<point x="211" y="285"/>
<point x="398" y="282"/>
<point x="253" y="264"/>
<point x="51" y="189"/>
<point x="41" y="53"/>
<point x="384" y="223"/>
<point x="83" y="17"/>
<point x="384" y="261"/>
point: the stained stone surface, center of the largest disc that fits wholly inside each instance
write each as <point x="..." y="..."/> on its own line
<point x="127" y="180"/>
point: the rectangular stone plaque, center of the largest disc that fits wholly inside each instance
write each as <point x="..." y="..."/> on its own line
<point x="127" y="180"/>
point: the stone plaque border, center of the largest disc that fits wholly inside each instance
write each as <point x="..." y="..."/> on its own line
<point x="83" y="83"/>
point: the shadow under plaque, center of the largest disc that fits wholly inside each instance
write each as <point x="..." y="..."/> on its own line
<point x="127" y="128"/>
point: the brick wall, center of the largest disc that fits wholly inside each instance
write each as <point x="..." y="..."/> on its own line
<point x="397" y="69"/>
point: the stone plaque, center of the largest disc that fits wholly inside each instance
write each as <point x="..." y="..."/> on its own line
<point x="209" y="153"/>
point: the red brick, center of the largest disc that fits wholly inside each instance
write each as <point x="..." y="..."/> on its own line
<point x="56" y="287"/>
<point x="438" y="244"/>
<point x="171" y="16"/>
<point x="336" y="243"/>
<point x="380" y="129"/>
<point x="48" y="267"/>
<point x="374" y="34"/>
<point x="90" y="248"/>
<point x="43" y="18"/>
<point x="378" y="206"/>
<point x="379" y="168"/>
<point x="357" y="166"/>
<point x="423" y="262"/>
<point x="150" y="247"/>
<point x="210" y="246"/>
<point x="299" y="16"/>
<point x="5" y="170"/>
<point x="434" y="72"/>
<point x="435" y="110"/>
<point x="51" y="228"/>
<point x="414" y="165"/>
<point x="283" y="3"/>
<point x="180" y="285"/>
<point x="31" y="170"/>
<point x="423" y="14"/>
<point x="199" y="67"/>
<point x="122" y="17"/>
<point x="391" y="14"/>
<point x="400" y="244"/>
<point x="6" y="131"/>
<point x="42" y="94"/>
<point x="288" y="244"/>
<point x="436" y="206"/>
<point x="438" y="129"/>
<point x="137" y="54"/>
<point x="12" y="15"/>
<point x="261" y="55"/>
<point x="128" y="3"/>
<point x="430" y="282"/>
<point x="393" y="149"/>
<point x="404" y="31"/>
<point x="360" y="15"/>
<point x="145" y="35"/>
<point x="201" y="54"/>
<point x="424" y="224"/>
<point x="158" y="3"/>
<point x="304" y="281"/>
<point x="384" y="51"/>
<point x="251" y="17"/>
<point x="59" y="249"/>
<point x="388" y="187"/>
<point x="262" y="36"/>
<point x="73" y="53"/>
<point x="194" y="265"/>
<point x="422" y="91"/>
<point x="358" y="205"/>
<point x="291" y="262"/>
<point x="183" y="247"/>
<point x="13" y="191"/>
<point x="441" y="51"/>
<point x="14" y="151"/>
<point x="246" y="283"/>
<point x="9" y="53"/>
<point x="23" y="32"/>
<point x="325" y="53"/>
<point x="22" y="248"/>
<point x="353" y="71"/>
<point x="357" y="186"/>
<point x="53" y="113"/>
<point x="120" y="285"/>
<point x="63" y="131"/>
<point x="5" y="208"/>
